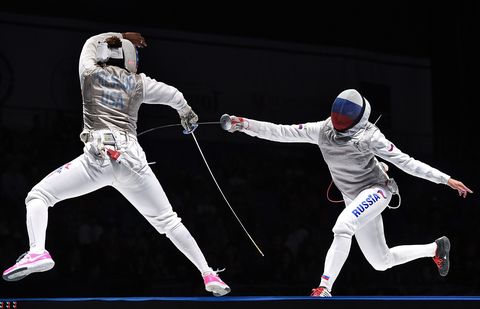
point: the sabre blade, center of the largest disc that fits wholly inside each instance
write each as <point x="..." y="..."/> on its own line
<point x="223" y="195"/>
<point x="174" y="125"/>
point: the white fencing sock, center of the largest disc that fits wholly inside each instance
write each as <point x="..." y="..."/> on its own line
<point x="404" y="254"/>
<point x="336" y="257"/>
<point x="184" y="241"/>
<point x="37" y="220"/>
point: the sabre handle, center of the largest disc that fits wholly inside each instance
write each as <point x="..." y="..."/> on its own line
<point x="226" y="122"/>
<point x="233" y="123"/>
<point x="190" y="128"/>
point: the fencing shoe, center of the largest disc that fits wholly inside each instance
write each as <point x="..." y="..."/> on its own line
<point x="320" y="292"/>
<point x="441" y="257"/>
<point x="28" y="263"/>
<point x="214" y="284"/>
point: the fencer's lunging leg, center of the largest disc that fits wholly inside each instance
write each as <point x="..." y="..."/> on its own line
<point x="184" y="241"/>
<point x="149" y="198"/>
<point x="365" y="207"/>
<point x="371" y="240"/>
<point x="143" y="190"/>
<point x="336" y="257"/>
<point x="70" y="180"/>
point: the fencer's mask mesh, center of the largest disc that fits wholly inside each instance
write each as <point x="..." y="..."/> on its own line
<point x="127" y="52"/>
<point x="347" y="109"/>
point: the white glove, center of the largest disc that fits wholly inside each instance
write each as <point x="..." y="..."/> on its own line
<point x="233" y="123"/>
<point x="188" y="118"/>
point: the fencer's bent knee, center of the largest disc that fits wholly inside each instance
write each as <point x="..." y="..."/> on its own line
<point x="383" y="263"/>
<point x="343" y="228"/>
<point x="379" y="266"/>
<point x="38" y="193"/>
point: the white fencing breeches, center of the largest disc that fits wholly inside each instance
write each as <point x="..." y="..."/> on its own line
<point x="362" y="218"/>
<point x="132" y="177"/>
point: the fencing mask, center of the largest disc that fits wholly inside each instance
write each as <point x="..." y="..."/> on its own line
<point x="348" y="109"/>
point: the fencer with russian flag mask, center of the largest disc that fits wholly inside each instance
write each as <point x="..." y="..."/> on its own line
<point x="350" y="145"/>
<point x="113" y="92"/>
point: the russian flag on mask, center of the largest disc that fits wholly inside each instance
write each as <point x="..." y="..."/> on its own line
<point x="325" y="277"/>
<point x="346" y="109"/>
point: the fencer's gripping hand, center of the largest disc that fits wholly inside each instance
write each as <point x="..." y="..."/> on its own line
<point x="233" y="123"/>
<point x="188" y="119"/>
<point x="459" y="186"/>
<point x="136" y="38"/>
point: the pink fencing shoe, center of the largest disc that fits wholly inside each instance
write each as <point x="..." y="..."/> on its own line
<point x="214" y="284"/>
<point x="29" y="263"/>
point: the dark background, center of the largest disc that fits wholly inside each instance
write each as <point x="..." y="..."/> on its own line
<point x="103" y="247"/>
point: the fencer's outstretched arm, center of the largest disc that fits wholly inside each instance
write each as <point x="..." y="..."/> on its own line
<point x="298" y="133"/>
<point x="161" y="93"/>
<point x="386" y="150"/>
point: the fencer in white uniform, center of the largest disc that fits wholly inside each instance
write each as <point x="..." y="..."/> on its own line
<point x="112" y="94"/>
<point x="350" y="145"/>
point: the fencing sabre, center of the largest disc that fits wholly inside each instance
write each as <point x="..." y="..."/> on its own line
<point x="173" y="125"/>
<point x="190" y="131"/>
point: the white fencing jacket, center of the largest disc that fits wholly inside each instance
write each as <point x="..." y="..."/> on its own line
<point x="112" y="96"/>
<point x="350" y="156"/>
